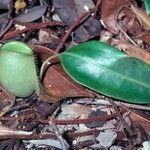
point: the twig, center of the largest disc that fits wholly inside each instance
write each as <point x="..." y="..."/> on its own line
<point x="13" y="119"/>
<point x="106" y="102"/>
<point x="85" y="133"/>
<point x="28" y="136"/>
<point x="46" y="135"/>
<point x="31" y="26"/>
<point x="71" y="28"/>
<point x="133" y="106"/>
<point x="130" y="39"/>
<point x="79" y="121"/>
<point x="74" y="25"/>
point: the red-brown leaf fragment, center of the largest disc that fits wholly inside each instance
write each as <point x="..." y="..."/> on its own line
<point x="7" y="100"/>
<point x="109" y="11"/>
<point x="61" y="85"/>
<point x="146" y="38"/>
<point x="57" y="82"/>
<point x="140" y="118"/>
<point x="142" y="16"/>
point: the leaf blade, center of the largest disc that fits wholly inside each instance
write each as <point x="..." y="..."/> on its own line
<point x="113" y="76"/>
<point x="32" y="14"/>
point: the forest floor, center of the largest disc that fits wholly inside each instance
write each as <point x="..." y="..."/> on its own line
<point x="66" y="115"/>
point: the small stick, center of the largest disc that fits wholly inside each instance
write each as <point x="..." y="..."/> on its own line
<point x="74" y="25"/>
<point x="107" y="103"/>
<point x="79" y="121"/>
<point x="31" y="26"/>
<point x="71" y="28"/>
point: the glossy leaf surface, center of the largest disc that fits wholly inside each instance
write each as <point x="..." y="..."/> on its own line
<point x="109" y="71"/>
<point x="147" y="5"/>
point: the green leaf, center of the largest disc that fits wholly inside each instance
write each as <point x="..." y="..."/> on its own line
<point x="147" y="6"/>
<point x="109" y="71"/>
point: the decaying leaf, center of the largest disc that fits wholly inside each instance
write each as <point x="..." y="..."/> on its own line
<point x="135" y="51"/>
<point x="7" y="100"/>
<point x="146" y="38"/>
<point x="107" y="138"/>
<point x="129" y="22"/>
<point x="74" y="111"/>
<point x="109" y="12"/>
<point x="48" y="142"/>
<point x="47" y="36"/>
<point x="61" y="85"/>
<point x="4" y="4"/>
<point x="117" y="11"/>
<point x="4" y="23"/>
<point x="43" y="51"/>
<point x="140" y="118"/>
<point x="57" y="82"/>
<point x="32" y="14"/>
<point x="69" y="11"/>
<point x="142" y="16"/>
<point x="47" y="96"/>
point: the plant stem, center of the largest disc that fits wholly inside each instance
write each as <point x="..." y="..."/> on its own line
<point x="44" y="64"/>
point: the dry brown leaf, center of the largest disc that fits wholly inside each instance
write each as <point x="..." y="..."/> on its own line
<point x="70" y="10"/>
<point x="142" y="16"/>
<point x="47" y="96"/>
<point x="110" y="23"/>
<point x="58" y="84"/>
<point x="146" y="38"/>
<point x="43" y="51"/>
<point x="139" y="118"/>
<point x="134" y="51"/>
<point x="7" y="100"/>
<point x="74" y="111"/>
<point x="109" y="10"/>
<point x="61" y="85"/>
<point x="47" y="36"/>
<point x="132" y="25"/>
<point x="108" y="7"/>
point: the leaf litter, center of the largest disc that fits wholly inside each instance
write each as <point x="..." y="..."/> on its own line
<point x="84" y="123"/>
